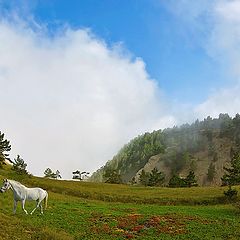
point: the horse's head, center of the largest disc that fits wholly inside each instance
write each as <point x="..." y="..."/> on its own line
<point x="6" y="186"/>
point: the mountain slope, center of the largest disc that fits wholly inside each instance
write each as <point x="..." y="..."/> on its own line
<point x="180" y="149"/>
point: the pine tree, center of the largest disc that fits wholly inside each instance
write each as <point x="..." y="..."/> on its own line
<point x="48" y="173"/>
<point x="144" y="178"/>
<point x="57" y="175"/>
<point x="190" y="180"/>
<point x="19" y="165"/>
<point x="84" y="175"/>
<point x="80" y="175"/>
<point x="112" y="176"/>
<point x="133" y="181"/>
<point x="176" y="182"/>
<point x="77" y="175"/>
<point x="156" y="178"/>
<point x="4" y="147"/>
<point x="232" y="175"/>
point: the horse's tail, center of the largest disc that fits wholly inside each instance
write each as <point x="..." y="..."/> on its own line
<point x="46" y="199"/>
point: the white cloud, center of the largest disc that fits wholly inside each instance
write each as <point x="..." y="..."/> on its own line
<point x="70" y="101"/>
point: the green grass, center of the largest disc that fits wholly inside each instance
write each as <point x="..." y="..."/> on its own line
<point x="125" y="193"/>
<point x="75" y="212"/>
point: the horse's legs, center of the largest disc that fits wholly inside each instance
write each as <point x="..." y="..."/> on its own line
<point x="14" y="206"/>
<point x="41" y="208"/>
<point x="23" y="208"/>
<point x="34" y="209"/>
<point x="38" y="204"/>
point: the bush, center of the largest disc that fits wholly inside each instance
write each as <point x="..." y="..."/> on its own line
<point x="231" y="194"/>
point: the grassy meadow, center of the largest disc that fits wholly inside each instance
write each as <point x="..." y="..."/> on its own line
<point x="79" y="210"/>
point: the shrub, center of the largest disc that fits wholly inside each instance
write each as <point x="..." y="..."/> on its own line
<point x="231" y="194"/>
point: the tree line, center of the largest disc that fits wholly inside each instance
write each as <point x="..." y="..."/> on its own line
<point x="20" y="166"/>
<point x="156" y="177"/>
<point x="153" y="178"/>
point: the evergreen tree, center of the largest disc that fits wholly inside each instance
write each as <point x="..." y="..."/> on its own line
<point x="48" y="173"/>
<point x="85" y="175"/>
<point x="4" y="147"/>
<point x="133" y="181"/>
<point x="19" y="165"/>
<point x="176" y="181"/>
<point x="190" y="180"/>
<point x="112" y="176"/>
<point x="80" y="175"/>
<point x="156" y="178"/>
<point x="57" y="175"/>
<point x="232" y="175"/>
<point x="77" y="175"/>
<point x="144" y="178"/>
<point x="226" y="126"/>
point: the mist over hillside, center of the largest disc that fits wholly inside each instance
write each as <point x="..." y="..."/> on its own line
<point x="176" y="151"/>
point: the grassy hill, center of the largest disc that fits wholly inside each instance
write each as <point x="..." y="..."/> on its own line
<point x="79" y="210"/>
<point x="178" y="150"/>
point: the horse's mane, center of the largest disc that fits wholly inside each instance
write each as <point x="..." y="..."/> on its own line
<point x="16" y="182"/>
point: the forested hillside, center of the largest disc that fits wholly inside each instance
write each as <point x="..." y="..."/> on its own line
<point x="203" y="147"/>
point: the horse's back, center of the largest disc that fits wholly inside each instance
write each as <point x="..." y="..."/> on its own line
<point x="36" y="194"/>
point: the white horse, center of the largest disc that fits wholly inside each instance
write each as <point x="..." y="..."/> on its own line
<point x="22" y="193"/>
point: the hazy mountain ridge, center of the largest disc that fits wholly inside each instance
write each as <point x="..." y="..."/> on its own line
<point x="178" y="150"/>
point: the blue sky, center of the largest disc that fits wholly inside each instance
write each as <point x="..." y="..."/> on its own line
<point x="84" y="75"/>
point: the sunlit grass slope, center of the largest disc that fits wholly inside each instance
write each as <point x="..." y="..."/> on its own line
<point x="125" y="193"/>
<point x="76" y="211"/>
